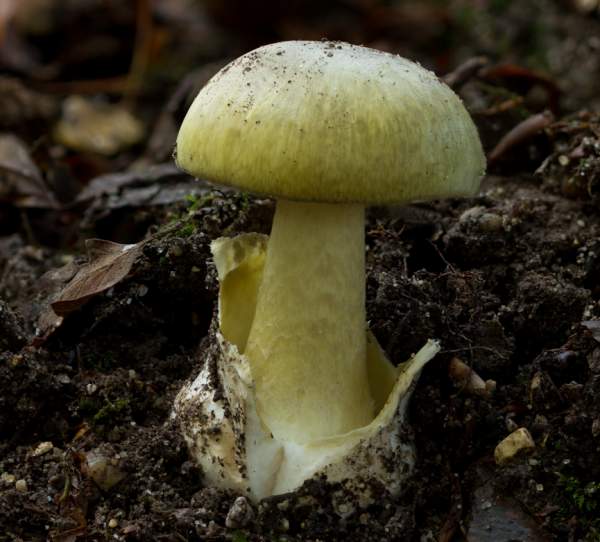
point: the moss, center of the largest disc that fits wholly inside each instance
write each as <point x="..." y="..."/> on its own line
<point x="88" y="406"/>
<point x="582" y="499"/>
<point x="187" y="229"/>
<point x="197" y="202"/>
<point x="110" y="411"/>
<point x="183" y="222"/>
<point x="99" y="361"/>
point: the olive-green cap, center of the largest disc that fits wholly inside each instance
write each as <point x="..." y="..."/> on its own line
<point x="334" y="122"/>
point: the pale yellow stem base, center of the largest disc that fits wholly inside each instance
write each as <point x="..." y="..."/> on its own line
<point x="307" y="345"/>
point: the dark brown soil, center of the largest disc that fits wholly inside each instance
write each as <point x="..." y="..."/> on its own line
<point x="507" y="281"/>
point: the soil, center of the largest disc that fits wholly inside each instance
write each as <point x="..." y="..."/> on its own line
<point x="506" y="281"/>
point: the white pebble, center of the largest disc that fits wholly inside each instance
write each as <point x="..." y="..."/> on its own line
<point x="518" y="440"/>
<point x="42" y="448"/>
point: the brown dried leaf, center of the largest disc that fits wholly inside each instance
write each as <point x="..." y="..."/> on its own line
<point x="24" y="110"/>
<point x="521" y="132"/>
<point x="465" y="71"/>
<point x="20" y="179"/>
<point x="109" y="263"/>
<point x="50" y="285"/>
<point x="593" y="327"/>
<point x="161" y="184"/>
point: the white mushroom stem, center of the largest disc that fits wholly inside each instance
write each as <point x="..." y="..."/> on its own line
<point x="307" y="344"/>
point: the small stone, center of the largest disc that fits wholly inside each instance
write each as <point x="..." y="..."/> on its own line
<point x="471" y="214"/>
<point x="142" y="290"/>
<point x="342" y="504"/>
<point x="113" y="523"/>
<point x="91" y="388"/>
<point x="466" y="378"/>
<point x="63" y="378"/>
<point x="511" y="425"/>
<point x="517" y="441"/>
<point x="16" y="360"/>
<point x="490" y="222"/>
<point x="104" y="471"/>
<point x="42" y="448"/>
<point x="7" y="479"/>
<point x="21" y="486"/>
<point x="240" y="514"/>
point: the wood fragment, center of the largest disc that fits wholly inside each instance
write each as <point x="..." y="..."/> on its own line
<point x="465" y="71"/>
<point x="521" y="133"/>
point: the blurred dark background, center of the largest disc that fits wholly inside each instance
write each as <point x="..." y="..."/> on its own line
<point x="93" y="87"/>
<point x="142" y="49"/>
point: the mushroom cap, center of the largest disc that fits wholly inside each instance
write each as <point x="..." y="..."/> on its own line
<point x="333" y="122"/>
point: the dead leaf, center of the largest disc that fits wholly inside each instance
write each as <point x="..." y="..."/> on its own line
<point x="465" y="71"/>
<point x="521" y="132"/>
<point x="71" y="286"/>
<point x="97" y="127"/>
<point x="109" y="263"/>
<point x="22" y="109"/>
<point x="20" y="179"/>
<point x="594" y="327"/>
<point x="157" y="185"/>
<point x="153" y="186"/>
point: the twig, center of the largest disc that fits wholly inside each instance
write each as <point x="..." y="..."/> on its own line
<point x="465" y="71"/>
<point x="520" y="133"/>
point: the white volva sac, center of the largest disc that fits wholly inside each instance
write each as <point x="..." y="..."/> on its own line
<point x="296" y="385"/>
<point x="218" y="414"/>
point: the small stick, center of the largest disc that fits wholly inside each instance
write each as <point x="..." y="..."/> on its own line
<point x="521" y="132"/>
<point x="462" y="73"/>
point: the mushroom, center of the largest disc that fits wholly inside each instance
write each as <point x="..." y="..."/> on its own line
<point x="326" y="128"/>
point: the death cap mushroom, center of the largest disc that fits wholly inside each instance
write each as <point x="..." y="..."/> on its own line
<point x="326" y="128"/>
